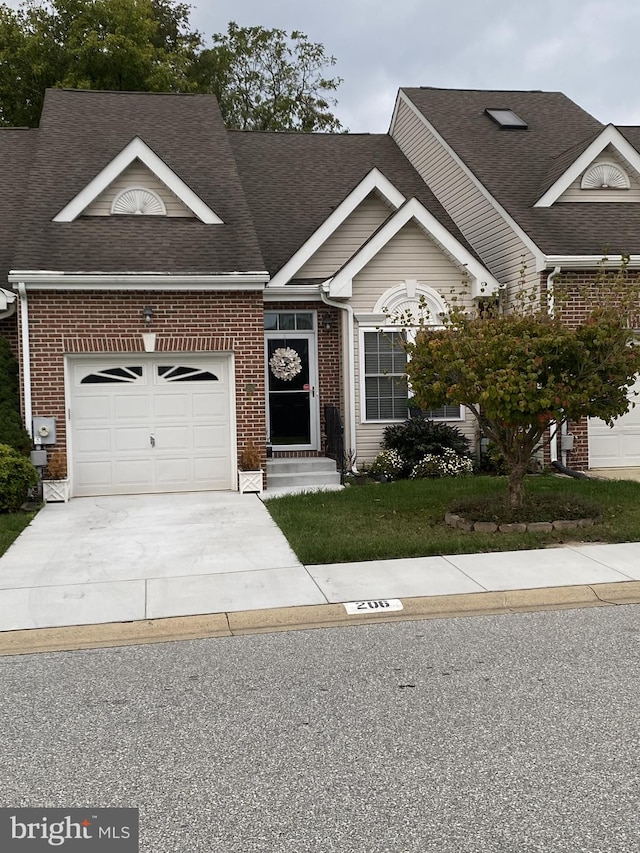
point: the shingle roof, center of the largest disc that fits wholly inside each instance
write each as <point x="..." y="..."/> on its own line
<point x="293" y="182"/>
<point x="16" y="150"/>
<point x="517" y="166"/>
<point x="80" y="133"/>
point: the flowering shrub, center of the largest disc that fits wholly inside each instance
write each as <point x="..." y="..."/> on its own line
<point x="389" y="463"/>
<point x="447" y="464"/>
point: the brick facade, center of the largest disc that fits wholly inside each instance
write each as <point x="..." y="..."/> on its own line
<point x="63" y="322"/>
<point x="581" y="291"/>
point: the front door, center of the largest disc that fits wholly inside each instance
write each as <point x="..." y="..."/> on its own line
<point x="292" y="399"/>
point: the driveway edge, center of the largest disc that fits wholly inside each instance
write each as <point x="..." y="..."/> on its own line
<point x="305" y="617"/>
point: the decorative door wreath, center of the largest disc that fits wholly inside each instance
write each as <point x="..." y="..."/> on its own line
<point x="285" y="363"/>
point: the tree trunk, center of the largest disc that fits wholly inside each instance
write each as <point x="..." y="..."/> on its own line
<point x="516" y="485"/>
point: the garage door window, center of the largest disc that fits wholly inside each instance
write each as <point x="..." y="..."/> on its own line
<point x="176" y="373"/>
<point x="112" y="374"/>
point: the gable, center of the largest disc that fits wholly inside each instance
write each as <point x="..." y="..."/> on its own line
<point x="137" y="175"/>
<point x="616" y="146"/>
<point x="347" y="238"/>
<point x="137" y="149"/>
<point x="608" y="167"/>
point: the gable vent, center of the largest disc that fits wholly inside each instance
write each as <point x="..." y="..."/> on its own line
<point x="604" y="176"/>
<point x="138" y="201"/>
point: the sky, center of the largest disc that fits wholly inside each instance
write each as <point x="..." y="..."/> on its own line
<point x="584" y="48"/>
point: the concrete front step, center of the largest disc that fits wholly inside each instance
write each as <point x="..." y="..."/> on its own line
<point x="298" y="465"/>
<point x="303" y="473"/>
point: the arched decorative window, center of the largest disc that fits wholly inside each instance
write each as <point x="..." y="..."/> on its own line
<point x="412" y="301"/>
<point x="138" y="201"/>
<point x="605" y="176"/>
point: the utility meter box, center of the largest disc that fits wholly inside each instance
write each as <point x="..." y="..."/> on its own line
<point x="44" y="430"/>
<point x="39" y="458"/>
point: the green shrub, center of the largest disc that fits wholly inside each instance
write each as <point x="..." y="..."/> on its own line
<point x="445" y="464"/>
<point x="17" y="476"/>
<point x="416" y="438"/>
<point x="389" y="464"/>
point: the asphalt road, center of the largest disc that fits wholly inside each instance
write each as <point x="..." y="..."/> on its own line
<point x="506" y="733"/>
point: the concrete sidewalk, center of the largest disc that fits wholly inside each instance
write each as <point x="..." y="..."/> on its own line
<point x="160" y="557"/>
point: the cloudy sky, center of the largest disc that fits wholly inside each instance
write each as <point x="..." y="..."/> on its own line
<point x="584" y="48"/>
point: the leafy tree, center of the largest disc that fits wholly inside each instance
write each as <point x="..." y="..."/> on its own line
<point x="519" y="372"/>
<point x="265" y="79"/>
<point x="137" y="45"/>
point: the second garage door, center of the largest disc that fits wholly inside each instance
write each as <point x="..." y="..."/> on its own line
<point x="617" y="446"/>
<point x="144" y="425"/>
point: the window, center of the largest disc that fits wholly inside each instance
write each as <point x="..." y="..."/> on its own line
<point x="385" y="381"/>
<point x="138" y="201"/>
<point x="506" y="118"/>
<point x="288" y="321"/>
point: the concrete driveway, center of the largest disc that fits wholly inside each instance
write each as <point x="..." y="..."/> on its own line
<point x="135" y="557"/>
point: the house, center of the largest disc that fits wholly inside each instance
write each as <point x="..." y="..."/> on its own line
<point x="175" y="290"/>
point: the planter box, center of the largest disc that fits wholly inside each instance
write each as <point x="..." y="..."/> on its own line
<point x="55" y="491"/>
<point x="250" y="482"/>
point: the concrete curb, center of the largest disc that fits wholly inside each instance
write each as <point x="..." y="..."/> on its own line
<point x="308" y="617"/>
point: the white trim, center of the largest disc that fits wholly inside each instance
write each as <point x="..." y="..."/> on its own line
<point x="483" y="283"/>
<point x="615" y="167"/>
<point x="609" y="136"/>
<point x="137" y="149"/>
<point x="590" y="262"/>
<point x="292" y="293"/>
<point x="8" y="303"/>
<point x="26" y="358"/>
<point x="374" y="180"/>
<point x="43" y="280"/>
<point x="523" y="236"/>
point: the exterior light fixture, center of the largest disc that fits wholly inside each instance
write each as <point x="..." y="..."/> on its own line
<point x="147" y="313"/>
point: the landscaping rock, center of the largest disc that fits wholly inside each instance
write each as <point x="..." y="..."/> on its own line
<point x="565" y="524"/>
<point x="485" y="527"/>
<point x="540" y="527"/>
<point x="451" y="519"/>
<point x="463" y="524"/>
<point x="513" y="528"/>
<point x="586" y="522"/>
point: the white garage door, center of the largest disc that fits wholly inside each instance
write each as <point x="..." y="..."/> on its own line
<point x="617" y="446"/>
<point x="142" y="425"/>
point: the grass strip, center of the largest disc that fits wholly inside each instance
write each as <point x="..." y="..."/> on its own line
<point x="406" y="518"/>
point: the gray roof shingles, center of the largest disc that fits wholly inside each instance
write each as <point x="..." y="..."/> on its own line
<point x="80" y="133"/>
<point x="518" y="166"/>
<point x="294" y="181"/>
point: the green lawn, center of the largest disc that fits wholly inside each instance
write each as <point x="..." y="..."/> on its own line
<point x="406" y="518"/>
<point x="11" y="526"/>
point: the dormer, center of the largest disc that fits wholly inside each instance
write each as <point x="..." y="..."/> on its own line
<point x="607" y="170"/>
<point x="138" y="183"/>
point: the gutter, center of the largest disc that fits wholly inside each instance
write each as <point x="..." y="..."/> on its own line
<point x="350" y="383"/>
<point x="553" y="444"/>
<point x="26" y="357"/>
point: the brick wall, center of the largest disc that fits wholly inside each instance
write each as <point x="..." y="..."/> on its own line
<point x="582" y="291"/>
<point x="93" y="322"/>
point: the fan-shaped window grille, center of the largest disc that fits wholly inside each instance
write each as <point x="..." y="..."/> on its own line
<point x="605" y="176"/>
<point x="112" y="374"/>
<point x="138" y="201"/>
<point x="178" y="373"/>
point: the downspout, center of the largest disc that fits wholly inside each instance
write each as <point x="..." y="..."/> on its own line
<point x="553" y="443"/>
<point x="350" y="382"/>
<point x="26" y="357"/>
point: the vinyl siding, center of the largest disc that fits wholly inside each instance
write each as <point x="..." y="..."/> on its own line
<point x="575" y="193"/>
<point x="346" y="239"/>
<point x="411" y="254"/>
<point x="137" y="175"/>
<point x="497" y="244"/>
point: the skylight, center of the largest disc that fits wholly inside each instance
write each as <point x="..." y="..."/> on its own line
<point x="506" y="118"/>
